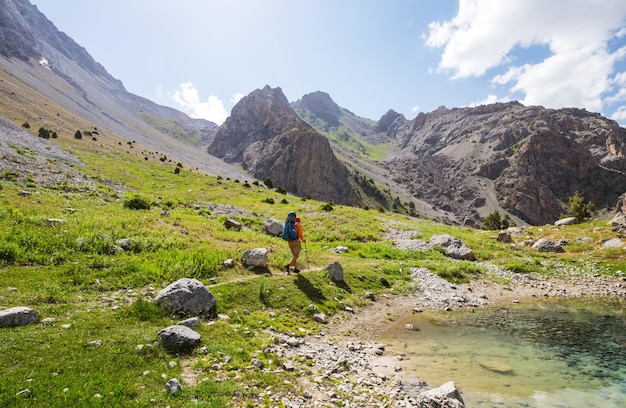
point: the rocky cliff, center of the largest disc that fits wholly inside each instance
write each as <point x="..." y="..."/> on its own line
<point x="524" y="160"/>
<point x="265" y="135"/>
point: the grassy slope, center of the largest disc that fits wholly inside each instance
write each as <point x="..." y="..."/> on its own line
<point x="68" y="272"/>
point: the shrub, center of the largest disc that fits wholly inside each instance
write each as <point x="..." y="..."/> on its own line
<point x="495" y="221"/>
<point x="25" y="125"/>
<point x="329" y="206"/>
<point x="8" y="253"/>
<point x="44" y="133"/>
<point x="78" y="135"/>
<point x="137" y="203"/>
<point x="176" y="170"/>
<point x="268" y="183"/>
<point x="281" y="190"/>
<point x="268" y="200"/>
<point x="579" y="209"/>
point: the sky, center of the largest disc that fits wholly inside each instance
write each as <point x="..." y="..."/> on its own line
<point x="202" y="56"/>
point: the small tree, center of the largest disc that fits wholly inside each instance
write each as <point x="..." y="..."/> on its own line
<point x="44" y="133"/>
<point x="495" y="221"/>
<point x="78" y="135"/>
<point x="578" y="208"/>
<point x="268" y="182"/>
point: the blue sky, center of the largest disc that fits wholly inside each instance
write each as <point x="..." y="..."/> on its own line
<point x="202" y="56"/>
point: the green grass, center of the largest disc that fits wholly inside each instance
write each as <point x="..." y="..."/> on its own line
<point x="72" y="271"/>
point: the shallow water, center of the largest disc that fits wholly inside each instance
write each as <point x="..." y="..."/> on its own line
<point x="557" y="353"/>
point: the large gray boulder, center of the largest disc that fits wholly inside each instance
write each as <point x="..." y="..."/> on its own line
<point x="255" y="258"/>
<point x="18" y="316"/>
<point x="446" y="396"/>
<point x="273" y="227"/>
<point x="186" y="297"/>
<point x="547" y="245"/>
<point x="455" y="248"/>
<point x="179" y="339"/>
<point x="335" y="271"/>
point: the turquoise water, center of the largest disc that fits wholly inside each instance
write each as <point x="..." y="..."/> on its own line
<point x="558" y="353"/>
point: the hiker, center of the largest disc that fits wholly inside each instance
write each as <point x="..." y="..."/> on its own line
<point x="293" y="234"/>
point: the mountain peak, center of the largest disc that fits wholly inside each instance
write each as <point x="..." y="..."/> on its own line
<point x="320" y="104"/>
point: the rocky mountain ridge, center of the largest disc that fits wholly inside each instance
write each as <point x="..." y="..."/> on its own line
<point x="265" y="135"/>
<point x="454" y="165"/>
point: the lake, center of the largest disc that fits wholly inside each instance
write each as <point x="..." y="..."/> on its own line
<point x="551" y="353"/>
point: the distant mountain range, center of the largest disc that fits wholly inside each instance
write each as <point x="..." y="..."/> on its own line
<point x="454" y="165"/>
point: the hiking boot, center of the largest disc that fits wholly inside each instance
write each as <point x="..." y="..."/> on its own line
<point x="296" y="270"/>
<point x="287" y="269"/>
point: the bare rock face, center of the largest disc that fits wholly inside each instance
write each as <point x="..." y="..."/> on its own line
<point x="618" y="223"/>
<point x="321" y="105"/>
<point x="266" y="136"/>
<point x="505" y="156"/>
<point x="389" y="121"/>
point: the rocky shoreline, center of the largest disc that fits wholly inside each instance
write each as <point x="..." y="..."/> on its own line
<point x="346" y="366"/>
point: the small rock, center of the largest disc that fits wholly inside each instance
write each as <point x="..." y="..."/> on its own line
<point x="174" y="386"/>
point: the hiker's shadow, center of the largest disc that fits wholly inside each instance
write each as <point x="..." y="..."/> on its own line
<point x="313" y="293"/>
<point x="343" y="285"/>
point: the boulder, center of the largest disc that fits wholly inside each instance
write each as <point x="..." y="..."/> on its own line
<point x="127" y="244"/>
<point x="547" y="245"/>
<point x="273" y="227"/>
<point x="18" y="316"/>
<point x="179" y="339"/>
<point x="566" y="221"/>
<point x="187" y="297"/>
<point x="173" y="386"/>
<point x="612" y="243"/>
<point x="447" y="396"/>
<point x="255" y="258"/>
<point x="460" y="252"/>
<point x="444" y="240"/>
<point x="335" y="271"/>
<point x="504" y="236"/>
<point x="232" y="224"/>
<point x="455" y="248"/>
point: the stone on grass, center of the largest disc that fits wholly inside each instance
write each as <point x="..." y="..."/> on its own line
<point x="273" y="227"/>
<point x="547" y="245"/>
<point x="504" y="236"/>
<point x="566" y="221"/>
<point x="455" y="248"/>
<point x="187" y="297"/>
<point x="232" y="224"/>
<point x="255" y="258"/>
<point x="335" y="272"/>
<point x="18" y="316"/>
<point x="613" y="243"/>
<point x="173" y="386"/>
<point x="179" y="339"/>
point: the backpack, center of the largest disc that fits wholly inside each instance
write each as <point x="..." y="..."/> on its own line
<point x="289" y="230"/>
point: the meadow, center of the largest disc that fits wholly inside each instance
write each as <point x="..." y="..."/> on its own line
<point x="58" y="255"/>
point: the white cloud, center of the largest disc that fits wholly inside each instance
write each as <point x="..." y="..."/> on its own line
<point x="188" y="98"/>
<point x="236" y="97"/>
<point x="415" y="109"/>
<point x="579" y="68"/>
<point x="619" y="114"/>
<point x="489" y="100"/>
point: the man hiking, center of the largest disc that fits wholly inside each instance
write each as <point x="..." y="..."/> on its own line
<point x="293" y="234"/>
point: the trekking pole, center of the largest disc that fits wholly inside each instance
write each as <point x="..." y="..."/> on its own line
<point x="306" y="253"/>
